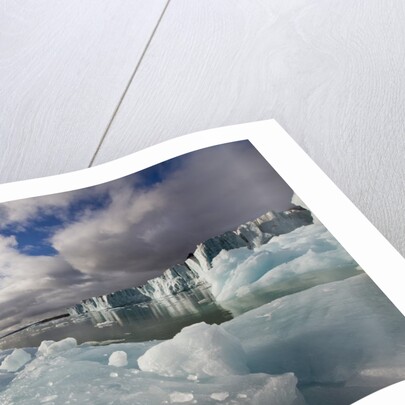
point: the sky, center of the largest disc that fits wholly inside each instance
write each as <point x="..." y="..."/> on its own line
<point x="59" y="249"/>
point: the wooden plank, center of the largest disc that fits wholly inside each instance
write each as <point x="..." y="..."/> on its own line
<point x="63" y="68"/>
<point x="330" y="72"/>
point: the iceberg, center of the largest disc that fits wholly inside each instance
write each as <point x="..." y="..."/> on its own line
<point x="118" y="359"/>
<point x="50" y="347"/>
<point x="181" y="397"/>
<point x="14" y="361"/>
<point x="82" y="375"/>
<point x="199" y="350"/>
<point x="288" y="263"/>
<point x="331" y="333"/>
<point x="220" y="396"/>
<point x="343" y="335"/>
<point x="323" y="328"/>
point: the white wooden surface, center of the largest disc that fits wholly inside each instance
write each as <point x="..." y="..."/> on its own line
<point x="63" y="67"/>
<point x="330" y="71"/>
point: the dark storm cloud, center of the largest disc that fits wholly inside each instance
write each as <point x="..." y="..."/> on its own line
<point x="142" y="230"/>
<point x="213" y="191"/>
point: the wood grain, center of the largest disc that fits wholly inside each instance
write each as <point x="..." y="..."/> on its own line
<point x="63" y="68"/>
<point x="330" y="71"/>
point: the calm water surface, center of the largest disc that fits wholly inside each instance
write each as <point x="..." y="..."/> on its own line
<point x="134" y="323"/>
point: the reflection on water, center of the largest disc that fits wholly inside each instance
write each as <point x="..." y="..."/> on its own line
<point x="162" y="319"/>
<point x="135" y="323"/>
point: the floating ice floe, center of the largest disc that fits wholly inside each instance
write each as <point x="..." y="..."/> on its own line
<point x="220" y="396"/>
<point x="82" y="376"/>
<point x="181" y="397"/>
<point x="319" y="333"/>
<point x="200" y="350"/>
<point x="118" y="359"/>
<point x="50" y="347"/>
<point x="305" y="257"/>
<point x="326" y="334"/>
<point x="344" y="332"/>
<point x="14" y="361"/>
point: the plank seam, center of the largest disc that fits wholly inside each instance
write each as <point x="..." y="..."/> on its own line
<point x="128" y="85"/>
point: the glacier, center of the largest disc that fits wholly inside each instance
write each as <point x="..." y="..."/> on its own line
<point x="304" y="257"/>
<point x="191" y="273"/>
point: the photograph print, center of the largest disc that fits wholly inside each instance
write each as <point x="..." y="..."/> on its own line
<point x="201" y="280"/>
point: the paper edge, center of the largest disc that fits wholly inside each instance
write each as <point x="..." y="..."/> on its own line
<point x="350" y="227"/>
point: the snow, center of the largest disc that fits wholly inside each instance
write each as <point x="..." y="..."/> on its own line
<point x="118" y="359"/>
<point x="14" y="361"/>
<point x="200" y="350"/>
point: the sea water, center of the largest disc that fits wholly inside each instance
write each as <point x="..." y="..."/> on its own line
<point x="155" y="320"/>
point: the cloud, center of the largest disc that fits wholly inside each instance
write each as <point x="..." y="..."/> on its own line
<point x="140" y="231"/>
<point x="213" y="191"/>
<point x="20" y="213"/>
<point x="27" y="282"/>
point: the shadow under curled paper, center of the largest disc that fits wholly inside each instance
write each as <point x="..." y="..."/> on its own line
<point x="192" y="272"/>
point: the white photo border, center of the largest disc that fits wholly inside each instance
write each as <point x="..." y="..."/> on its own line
<point x="348" y="225"/>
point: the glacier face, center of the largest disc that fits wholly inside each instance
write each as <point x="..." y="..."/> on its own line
<point x="112" y="300"/>
<point x="191" y="273"/>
